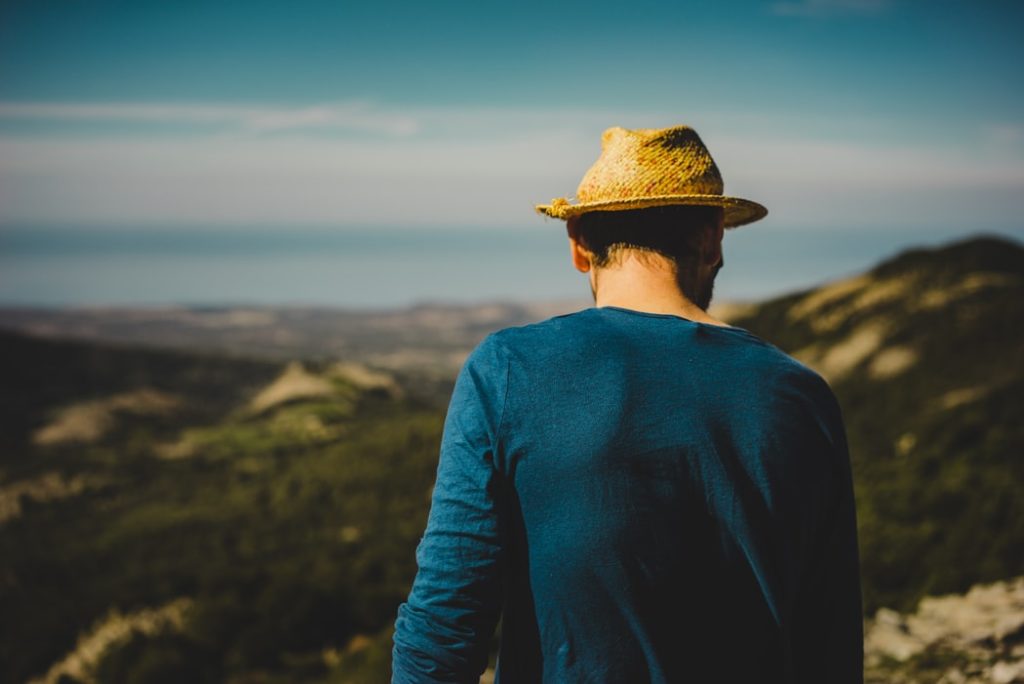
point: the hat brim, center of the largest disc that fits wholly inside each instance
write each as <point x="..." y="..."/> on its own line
<point x="738" y="211"/>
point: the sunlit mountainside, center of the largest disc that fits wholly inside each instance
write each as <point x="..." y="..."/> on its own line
<point x="209" y="495"/>
<point x="924" y="352"/>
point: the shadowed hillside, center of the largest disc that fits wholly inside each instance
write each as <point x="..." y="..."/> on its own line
<point x="173" y="517"/>
<point x="925" y="354"/>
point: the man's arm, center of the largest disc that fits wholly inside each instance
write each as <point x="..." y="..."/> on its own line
<point x="831" y="627"/>
<point x="443" y="629"/>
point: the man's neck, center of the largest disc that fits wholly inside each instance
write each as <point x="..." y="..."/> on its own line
<point x="640" y="286"/>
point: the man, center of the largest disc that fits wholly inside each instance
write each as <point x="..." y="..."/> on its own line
<point x="639" y="491"/>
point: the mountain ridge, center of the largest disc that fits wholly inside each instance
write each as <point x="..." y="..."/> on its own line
<point x="923" y="353"/>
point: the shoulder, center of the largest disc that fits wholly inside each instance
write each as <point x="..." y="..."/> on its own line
<point x="530" y="340"/>
<point x="555" y="325"/>
<point x="784" y="366"/>
<point x="791" y="381"/>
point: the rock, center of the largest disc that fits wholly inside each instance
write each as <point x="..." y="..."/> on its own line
<point x="977" y="637"/>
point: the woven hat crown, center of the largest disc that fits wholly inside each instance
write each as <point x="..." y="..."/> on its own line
<point x="670" y="161"/>
<point x="650" y="167"/>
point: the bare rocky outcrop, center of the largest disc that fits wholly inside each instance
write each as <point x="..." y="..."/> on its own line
<point x="974" y="638"/>
<point x="88" y="421"/>
<point x="294" y="383"/>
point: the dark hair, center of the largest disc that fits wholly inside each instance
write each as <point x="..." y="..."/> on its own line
<point x="672" y="231"/>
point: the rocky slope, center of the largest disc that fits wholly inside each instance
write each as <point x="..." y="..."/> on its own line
<point x="973" y="638"/>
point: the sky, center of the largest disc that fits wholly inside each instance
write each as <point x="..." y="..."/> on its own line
<point x="882" y="122"/>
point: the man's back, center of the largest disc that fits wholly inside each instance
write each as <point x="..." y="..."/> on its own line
<point x="644" y="498"/>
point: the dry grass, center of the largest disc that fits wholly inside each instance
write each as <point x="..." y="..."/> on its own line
<point x="861" y="294"/>
<point x="937" y="298"/>
<point x="364" y="377"/>
<point x="294" y="383"/>
<point x="46" y="487"/>
<point x="811" y="305"/>
<point x="891" y="361"/>
<point x="959" y="397"/>
<point x="835" y="361"/>
<point x="88" y="421"/>
<point x="731" y="311"/>
<point x="112" y="630"/>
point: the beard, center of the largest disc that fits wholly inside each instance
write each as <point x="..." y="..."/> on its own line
<point x="702" y="292"/>
<point x="702" y="297"/>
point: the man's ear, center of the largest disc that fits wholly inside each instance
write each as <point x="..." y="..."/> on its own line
<point x="581" y="256"/>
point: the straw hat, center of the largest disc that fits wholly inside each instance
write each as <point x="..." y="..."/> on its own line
<point x="651" y="168"/>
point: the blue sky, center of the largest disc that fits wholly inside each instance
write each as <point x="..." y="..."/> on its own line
<point x="839" y="115"/>
<point x="302" y="110"/>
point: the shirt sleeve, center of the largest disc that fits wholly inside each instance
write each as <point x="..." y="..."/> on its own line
<point x="443" y="629"/>
<point x="830" y="618"/>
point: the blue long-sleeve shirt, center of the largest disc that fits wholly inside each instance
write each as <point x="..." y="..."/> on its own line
<point x="640" y="498"/>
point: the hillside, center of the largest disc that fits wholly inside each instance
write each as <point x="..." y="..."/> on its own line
<point x="172" y="515"/>
<point x="924" y="352"/>
<point x="167" y="516"/>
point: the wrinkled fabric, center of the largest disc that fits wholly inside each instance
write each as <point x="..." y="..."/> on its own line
<point x="638" y="498"/>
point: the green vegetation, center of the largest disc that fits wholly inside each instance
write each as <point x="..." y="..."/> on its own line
<point x="295" y="544"/>
<point x="286" y="534"/>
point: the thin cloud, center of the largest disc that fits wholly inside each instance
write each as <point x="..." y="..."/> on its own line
<point x="819" y="8"/>
<point x="1004" y="134"/>
<point x="359" y="117"/>
<point x="462" y="179"/>
<point x="470" y="165"/>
